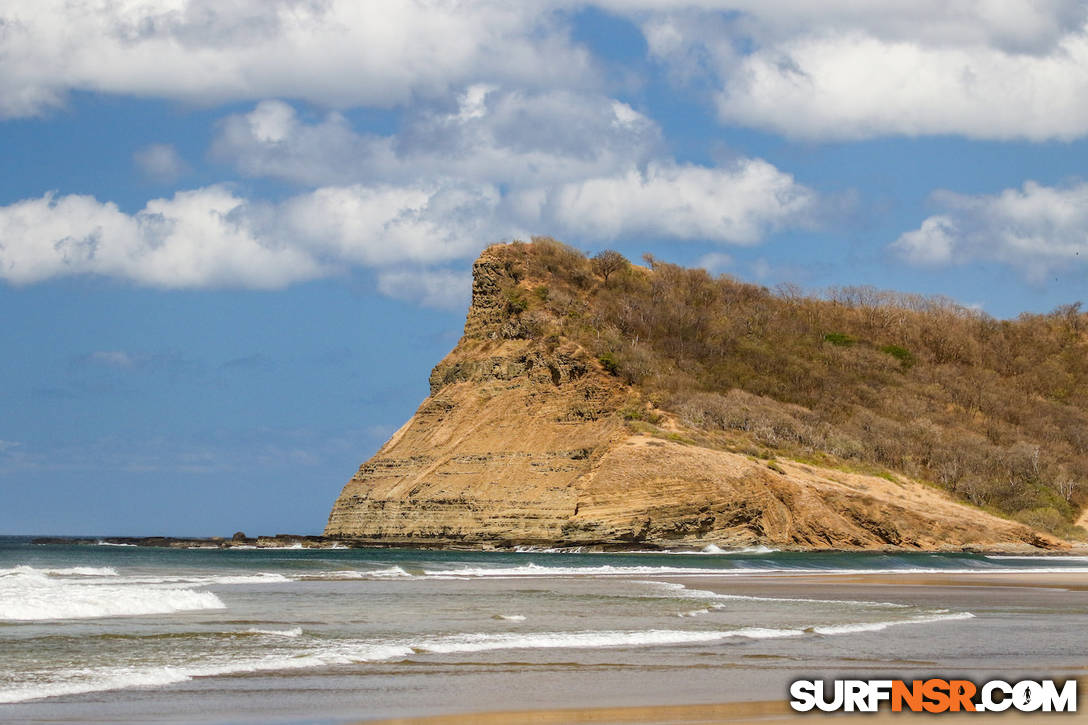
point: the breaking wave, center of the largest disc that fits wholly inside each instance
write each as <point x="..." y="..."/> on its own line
<point x="69" y="571"/>
<point x="533" y="570"/>
<point x="76" y="681"/>
<point x="29" y="594"/>
<point x="293" y="632"/>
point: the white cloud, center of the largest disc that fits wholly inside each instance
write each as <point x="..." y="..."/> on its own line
<point x="112" y="358"/>
<point x="337" y="53"/>
<point x="211" y="237"/>
<point x="835" y="69"/>
<point x="715" y="262"/>
<point x="735" y="205"/>
<point x="508" y="163"/>
<point x="194" y="239"/>
<point x="160" y="162"/>
<point x="442" y="288"/>
<point x="1036" y="229"/>
<point x="379" y="226"/>
<point x="845" y="70"/>
<point x="1032" y="26"/>
<point x="489" y="136"/>
<point x="857" y="86"/>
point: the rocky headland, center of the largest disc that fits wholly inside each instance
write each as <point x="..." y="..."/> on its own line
<point x="529" y="438"/>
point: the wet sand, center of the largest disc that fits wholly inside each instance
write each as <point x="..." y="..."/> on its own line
<point x="745" y="713"/>
<point x="1037" y="603"/>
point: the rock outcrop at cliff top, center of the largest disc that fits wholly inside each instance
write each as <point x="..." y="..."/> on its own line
<point x="522" y="442"/>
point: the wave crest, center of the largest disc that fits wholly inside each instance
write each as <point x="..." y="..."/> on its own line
<point x="29" y="594"/>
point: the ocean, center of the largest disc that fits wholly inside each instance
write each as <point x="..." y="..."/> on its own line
<point x="133" y="634"/>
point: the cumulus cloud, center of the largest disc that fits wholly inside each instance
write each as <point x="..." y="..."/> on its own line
<point x="211" y="237"/>
<point x="160" y="162"/>
<point x="1035" y="228"/>
<point x="204" y="237"/>
<point x="338" y="53"/>
<point x="835" y="69"/>
<point x="1031" y="26"/>
<point x="488" y="135"/>
<point x="737" y="205"/>
<point x="578" y="164"/>
<point x="441" y="288"/>
<point x="845" y="70"/>
<point x="857" y="86"/>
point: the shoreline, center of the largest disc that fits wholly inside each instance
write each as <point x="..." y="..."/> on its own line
<point x="307" y="541"/>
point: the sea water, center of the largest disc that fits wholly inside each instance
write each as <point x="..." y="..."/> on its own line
<point x="328" y="635"/>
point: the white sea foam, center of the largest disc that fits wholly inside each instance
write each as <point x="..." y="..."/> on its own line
<point x="1054" y="557"/>
<point x="200" y="580"/>
<point x="293" y="632"/>
<point x="584" y="640"/>
<point x="482" y="642"/>
<point x="393" y="572"/>
<point x="708" y="549"/>
<point x="110" y="543"/>
<point x="28" y="594"/>
<point x="676" y="589"/>
<point x="879" y="626"/>
<point x="204" y="580"/>
<point x="536" y="570"/>
<point x="510" y="617"/>
<point x="76" y="681"/>
<point x="549" y="549"/>
<point x="533" y="570"/>
<point x="69" y="571"/>
<point x="715" y="549"/>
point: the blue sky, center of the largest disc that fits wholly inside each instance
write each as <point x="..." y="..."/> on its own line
<point x="234" y="238"/>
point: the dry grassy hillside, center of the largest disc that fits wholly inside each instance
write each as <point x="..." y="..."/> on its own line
<point x="994" y="411"/>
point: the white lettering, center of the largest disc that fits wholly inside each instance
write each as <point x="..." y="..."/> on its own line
<point x="803" y="693"/>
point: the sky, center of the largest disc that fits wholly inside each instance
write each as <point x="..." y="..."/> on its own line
<point x="235" y="237"/>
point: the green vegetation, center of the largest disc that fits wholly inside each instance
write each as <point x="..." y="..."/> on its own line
<point x="904" y="356"/>
<point x="609" y="363"/>
<point x="838" y="338"/>
<point x="995" y="411"/>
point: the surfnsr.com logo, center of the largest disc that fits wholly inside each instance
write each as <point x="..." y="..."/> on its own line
<point x="933" y="695"/>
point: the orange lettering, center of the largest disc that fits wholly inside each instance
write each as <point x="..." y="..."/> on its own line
<point x="961" y="692"/>
<point x="911" y="695"/>
<point x="936" y="692"/>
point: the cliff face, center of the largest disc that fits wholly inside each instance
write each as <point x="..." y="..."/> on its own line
<point x="525" y="442"/>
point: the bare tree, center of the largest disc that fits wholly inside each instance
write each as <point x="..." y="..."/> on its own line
<point x="608" y="262"/>
<point x="1066" y="488"/>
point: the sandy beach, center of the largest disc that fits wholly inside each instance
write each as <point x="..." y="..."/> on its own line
<point x="745" y="713"/>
